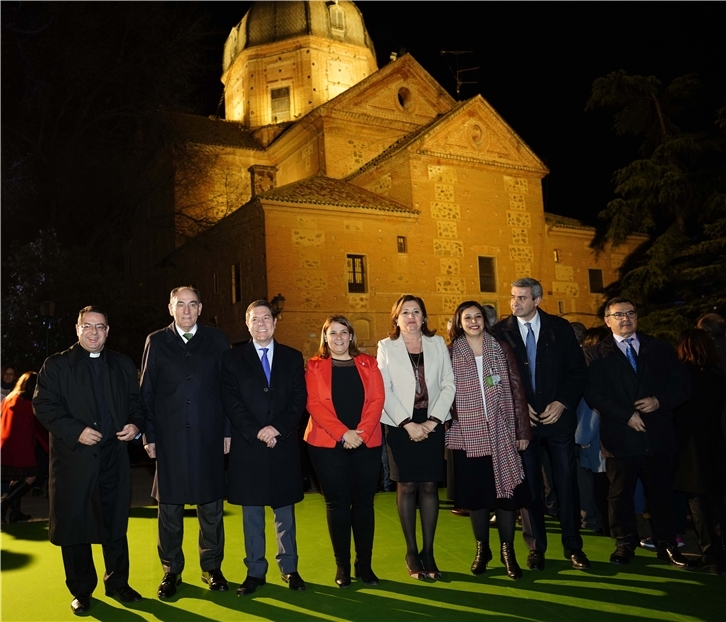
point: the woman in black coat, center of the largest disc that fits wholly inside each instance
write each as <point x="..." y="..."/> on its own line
<point x="701" y="465"/>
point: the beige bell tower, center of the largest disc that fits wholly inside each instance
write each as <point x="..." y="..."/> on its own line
<point x="286" y="58"/>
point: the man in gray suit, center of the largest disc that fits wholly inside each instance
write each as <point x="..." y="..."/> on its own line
<point x="180" y="385"/>
<point x="263" y="388"/>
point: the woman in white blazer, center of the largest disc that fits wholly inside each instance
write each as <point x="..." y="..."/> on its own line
<point x="419" y="384"/>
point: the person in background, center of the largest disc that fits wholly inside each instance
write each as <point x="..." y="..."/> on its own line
<point x="419" y="384"/>
<point x="701" y="460"/>
<point x="345" y="400"/>
<point x="490" y="427"/>
<point x="20" y="433"/>
<point x="715" y="325"/>
<point x="7" y="381"/>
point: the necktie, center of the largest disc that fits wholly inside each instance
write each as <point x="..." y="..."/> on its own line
<point x="266" y="364"/>
<point x="630" y="353"/>
<point x="531" y="346"/>
<point x="188" y="336"/>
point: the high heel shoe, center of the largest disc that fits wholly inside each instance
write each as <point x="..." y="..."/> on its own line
<point x="482" y="558"/>
<point x="432" y="571"/>
<point x="342" y="576"/>
<point x="417" y="572"/>
<point x="364" y="572"/>
<point x="509" y="559"/>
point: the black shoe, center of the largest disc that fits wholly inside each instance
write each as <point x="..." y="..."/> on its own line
<point x="509" y="559"/>
<point x="622" y="555"/>
<point x="415" y="567"/>
<point x="482" y="558"/>
<point x="294" y="581"/>
<point x="215" y="580"/>
<point x="536" y="560"/>
<point x="460" y="512"/>
<point x="578" y="558"/>
<point x="673" y="556"/>
<point x="430" y="567"/>
<point x="364" y="572"/>
<point x="249" y="585"/>
<point x="342" y="575"/>
<point x="168" y="585"/>
<point x="81" y="604"/>
<point x="126" y="594"/>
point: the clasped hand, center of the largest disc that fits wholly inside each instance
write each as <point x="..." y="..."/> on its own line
<point x="352" y="439"/>
<point x="418" y="432"/>
<point x="268" y="435"/>
<point x="90" y="436"/>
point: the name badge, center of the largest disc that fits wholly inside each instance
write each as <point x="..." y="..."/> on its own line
<point x="492" y="380"/>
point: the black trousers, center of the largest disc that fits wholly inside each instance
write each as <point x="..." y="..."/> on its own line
<point x="562" y="454"/>
<point x="211" y="535"/>
<point x="78" y="558"/>
<point x="657" y="474"/>
<point x="349" y="479"/>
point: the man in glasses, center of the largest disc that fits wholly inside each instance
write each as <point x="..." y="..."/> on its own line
<point x="180" y="385"/>
<point x="88" y="398"/>
<point x="635" y="383"/>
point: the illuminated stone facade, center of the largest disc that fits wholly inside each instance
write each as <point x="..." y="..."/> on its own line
<point x="390" y="187"/>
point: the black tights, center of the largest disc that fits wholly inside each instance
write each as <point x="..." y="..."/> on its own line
<point x="505" y="524"/>
<point x="428" y="502"/>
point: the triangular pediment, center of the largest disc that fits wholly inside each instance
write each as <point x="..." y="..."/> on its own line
<point x="402" y="91"/>
<point x="474" y="131"/>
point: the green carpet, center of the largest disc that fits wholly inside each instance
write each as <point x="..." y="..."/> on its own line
<point x="33" y="585"/>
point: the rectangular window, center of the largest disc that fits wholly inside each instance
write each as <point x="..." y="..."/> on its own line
<point x="557" y="256"/>
<point x="356" y="274"/>
<point x="280" y="100"/>
<point x="402" y="244"/>
<point x="561" y="309"/>
<point x="487" y="275"/>
<point x="236" y="284"/>
<point x="596" y="286"/>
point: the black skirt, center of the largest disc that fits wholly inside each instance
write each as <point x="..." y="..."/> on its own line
<point x="474" y="485"/>
<point x="415" y="462"/>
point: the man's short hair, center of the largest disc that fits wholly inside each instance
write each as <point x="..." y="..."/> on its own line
<point x="533" y="284"/>
<point x="91" y="309"/>
<point x="176" y="290"/>
<point x="714" y="324"/>
<point x="258" y="303"/>
<point x="618" y="300"/>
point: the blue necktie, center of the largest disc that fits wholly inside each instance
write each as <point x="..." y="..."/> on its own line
<point x="531" y="346"/>
<point x="266" y="364"/>
<point x="630" y="353"/>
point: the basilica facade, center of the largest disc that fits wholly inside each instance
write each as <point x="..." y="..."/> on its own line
<point x="338" y="186"/>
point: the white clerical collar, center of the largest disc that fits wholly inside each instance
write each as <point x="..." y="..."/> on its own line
<point x="94" y="355"/>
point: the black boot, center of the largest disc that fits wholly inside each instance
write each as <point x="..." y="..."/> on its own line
<point x="12" y="502"/>
<point x="364" y="572"/>
<point x="482" y="558"/>
<point x="509" y="560"/>
<point x="342" y="575"/>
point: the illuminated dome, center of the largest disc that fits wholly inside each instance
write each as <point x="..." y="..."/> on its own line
<point x="296" y="53"/>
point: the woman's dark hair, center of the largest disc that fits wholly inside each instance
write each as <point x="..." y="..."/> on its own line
<point x="594" y="335"/>
<point x="324" y="351"/>
<point x="25" y="387"/>
<point x="696" y="347"/>
<point x="457" y="330"/>
<point x="395" y="331"/>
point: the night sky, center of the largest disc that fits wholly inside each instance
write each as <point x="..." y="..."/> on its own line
<point x="537" y="62"/>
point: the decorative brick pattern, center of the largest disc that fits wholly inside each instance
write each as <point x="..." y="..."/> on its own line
<point x="449" y="304"/>
<point x="357" y="302"/>
<point x="449" y="266"/>
<point x="516" y="184"/>
<point x="450" y="285"/>
<point x="445" y="211"/>
<point x="308" y="280"/>
<point x="448" y="248"/>
<point x="446" y="229"/>
<point x="444" y="192"/>
<point x="307" y="237"/>
<point x="307" y="223"/>
<point x="521" y="253"/>
<point x="564" y="273"/>
<point x="353" y="225"/>
<point x="568" y="289"/>
<point x="516" y="201"/>
<point x="518" y="219"/>
<point x="312" y="301"/>
<point x="522" y="270"/>
<point x="382" y="185"/>
<point x="520" y="236"/>
<point x="445" y="174"/>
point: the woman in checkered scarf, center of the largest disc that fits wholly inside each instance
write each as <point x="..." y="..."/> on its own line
<point x="490" y="426"/>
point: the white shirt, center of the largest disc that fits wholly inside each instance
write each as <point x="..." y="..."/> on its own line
<point x="270" y="350"/>
<point x="535" y="323"/>
<point x="181" y="332"/>
<point x="624" y="346"/>
<point x="480" y="371"/>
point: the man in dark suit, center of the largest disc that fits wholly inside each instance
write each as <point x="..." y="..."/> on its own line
<point x="180" y="385"/>
<point x="635" y="383"/>
<point x="263" y="388"/>
<point x="554" y="373"/>
<point x="88" y="398"/>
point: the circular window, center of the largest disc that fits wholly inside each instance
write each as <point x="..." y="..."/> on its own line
<point x="404" y="98"/>
<point x="476" y="133"/>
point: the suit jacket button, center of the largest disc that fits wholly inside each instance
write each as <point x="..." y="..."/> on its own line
<point x="189" y="425"/>
<point x="266" y="389"/>
<point x="189" y="401"/>
<point x="95" y="455"/>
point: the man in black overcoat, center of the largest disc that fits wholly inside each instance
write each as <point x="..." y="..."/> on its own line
<point x="263" y="388"/>
<point x="88" y="399"/>
<point x="635" y="383"/>
<point x="188" y="435"/>
<point x="554" y="373"/>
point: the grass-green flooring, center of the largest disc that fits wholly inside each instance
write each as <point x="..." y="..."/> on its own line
<point x="33" y="582"/>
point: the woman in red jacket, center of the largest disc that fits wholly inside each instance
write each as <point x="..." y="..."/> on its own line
<point x="345" y="400"/>
<point x="20" y="430"/>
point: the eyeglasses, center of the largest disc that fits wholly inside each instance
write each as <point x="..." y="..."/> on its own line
<point x="620" y="315"/>
<point x="89" y="328"/>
